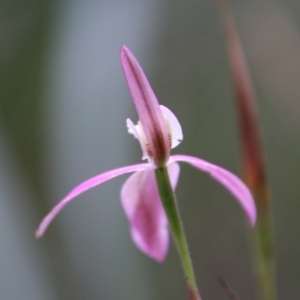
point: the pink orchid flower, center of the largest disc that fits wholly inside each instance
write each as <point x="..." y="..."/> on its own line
<point x="157" y="132"/>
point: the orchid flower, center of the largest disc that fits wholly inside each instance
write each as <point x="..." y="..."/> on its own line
<point x="157" y="131"/>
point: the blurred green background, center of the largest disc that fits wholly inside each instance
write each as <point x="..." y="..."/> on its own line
<point x="63" y="105"/>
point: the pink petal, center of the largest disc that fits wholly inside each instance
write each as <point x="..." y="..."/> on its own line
<point x="84" y="186"/>
<point x="143" y="208"/>
<point x="148" y="110"/>
<point x="132" y="129"/>
<point x="175" y="127"/>
<point x="230" y="181"/>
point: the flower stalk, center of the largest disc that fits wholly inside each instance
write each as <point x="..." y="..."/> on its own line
<point x="263" y="241"/>
<point x="169" y="203"/>
<point x="254" y="167"/>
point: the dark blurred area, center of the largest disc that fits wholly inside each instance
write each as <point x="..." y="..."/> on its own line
<point x="63" y="106"/>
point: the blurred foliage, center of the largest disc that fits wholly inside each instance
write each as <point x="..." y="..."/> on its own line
<point x="23" y="38"/>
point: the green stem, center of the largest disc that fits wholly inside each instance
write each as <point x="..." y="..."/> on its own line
<point x="264" y="245"/>
<point x="169" y="204"/>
